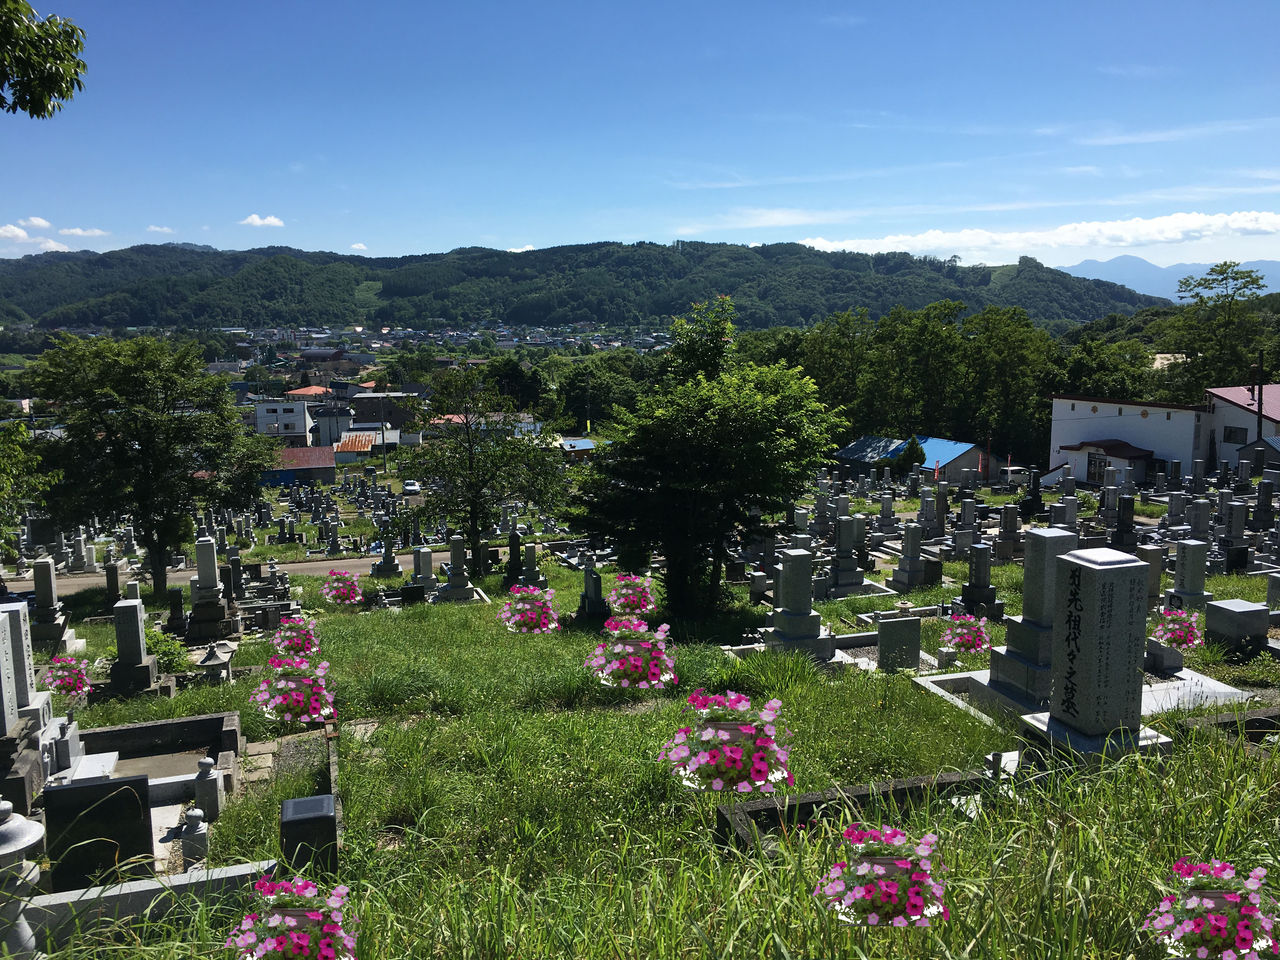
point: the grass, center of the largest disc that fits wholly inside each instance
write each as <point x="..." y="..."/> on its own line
<point x="506" y="805"/>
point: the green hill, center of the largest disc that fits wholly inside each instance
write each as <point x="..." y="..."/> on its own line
<point x="185" y="285"/>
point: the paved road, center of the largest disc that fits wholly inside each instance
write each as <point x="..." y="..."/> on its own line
<point x="75" y="582"/>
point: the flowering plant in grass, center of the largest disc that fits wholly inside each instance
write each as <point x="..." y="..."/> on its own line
<point x="889" y="880"/>
<point x="632" y="594"/>
<point x="342" y="587"/>
<point x="1178" y="628"/>
<point x="966" y="632"/>
<point x="730" y="748"/>
<point x="296" y="636"/>
<point x="296" y="698"/>
<point x="69" y="676"/>
<point x="529" y="611"/>
<point x="295" y="920"/>
<point x="1216" y="913"/>
<point x="632" y="657"/>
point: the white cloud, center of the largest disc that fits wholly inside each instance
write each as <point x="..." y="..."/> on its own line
<point x="525" y="249"/>
<point x="35" y="223"/>
<point x="1173" y="134"/>
<point x="155" y="229"/>
<point x="50" y="246"/>
<point x="9" y="232"/>
<point x="358" y="246"/>
<point x="82" y="232"/>
<point x="980" y="244"/>
<point x="253" y="220"/>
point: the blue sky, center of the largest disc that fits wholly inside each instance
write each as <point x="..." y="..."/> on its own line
<point x="983" y="130"/>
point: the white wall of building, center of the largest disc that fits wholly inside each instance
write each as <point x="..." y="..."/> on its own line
<point x="288" y="419"/>
<point x="1171" y="433"/>
<point x="1231" y="427"/>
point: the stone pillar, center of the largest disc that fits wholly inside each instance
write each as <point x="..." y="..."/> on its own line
<point x="207" y="563"/>
<point x="1188" y="577"/>
<point x="1153" y="556"/>
<point x="134" y="668"/>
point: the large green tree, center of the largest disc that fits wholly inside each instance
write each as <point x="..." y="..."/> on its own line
<point x="40" y="63"/>
<point x="477" y="454"/>
<point x="703" y="459"/>
<point x="145" y="432"/>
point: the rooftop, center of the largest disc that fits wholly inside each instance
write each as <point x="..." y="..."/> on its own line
<point x="301" y="458"/>
<point x="1245" y="398"/>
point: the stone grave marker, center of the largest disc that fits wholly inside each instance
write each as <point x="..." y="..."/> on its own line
<point x="99" y="829"/>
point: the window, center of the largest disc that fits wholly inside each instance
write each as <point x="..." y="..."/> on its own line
<point x="1236" y="436"/>
<point x="288" y="409"/>
<point x="290" y="426"/>
<point x="1167" y="416"/>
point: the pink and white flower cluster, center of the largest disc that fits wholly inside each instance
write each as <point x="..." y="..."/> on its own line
<point x="342" y="587"/>
<point x="297" y="692"/>
<point x="730" y="748"/>
<point x="296" y="636"/>
<point x="69" y="676"/>
<point x="529" y="611"/>
<point x="295" y="921"/>
<point x="632" y="594"/>
<point x="1216" y="913"/>
<point x="1178" y="628"/>
<point x="888" y="882"/>
<point x="632" y="657"/>
<point x="966" y="632"/>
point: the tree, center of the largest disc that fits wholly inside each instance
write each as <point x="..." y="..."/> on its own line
<point x="21" y="480"/>
<point x="40" y="63"/>
<point x="1217" y="330"/>
<point x="702" y="460"/>
<point x="146" y="432"/>
<point x="912" y="456"/>
<point x="475" y="456"/>
<point x="702" y="342"/>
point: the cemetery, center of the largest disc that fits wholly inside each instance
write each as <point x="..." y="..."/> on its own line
<point x="940" y="662"/>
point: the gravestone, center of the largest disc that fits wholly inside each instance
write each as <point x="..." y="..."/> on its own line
<point x="913" y="570"/>
<point x="1273" y="591"/>
<point x="134" y="669"/>
<point x="458" y="588"/>
<point x="117" y="572"/>
<point x="1099" y="643"/>
<point x="48" y="622"/>
<point x="1153" y="555"/>
<point x="99" y="830"/>
<point x="977" y="591"/>
<point x="530" y="575"/>
<point x="898" y="644"/>
<point x="423" y="572"/>
<point x="210" y="619"/>
<point x="794" y="624"/>
<point x="591" y="602"/>
<point x="1023" y="666"/>
<point x="1009" y="539"/>
<point x="1187" y="592"/>
<point x="1125" y="537"/>
<point x="846" y="575"/>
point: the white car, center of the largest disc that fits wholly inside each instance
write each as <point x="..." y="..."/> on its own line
<point x="412" y="487"/>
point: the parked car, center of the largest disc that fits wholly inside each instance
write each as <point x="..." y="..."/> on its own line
<point x="412" y="487"/>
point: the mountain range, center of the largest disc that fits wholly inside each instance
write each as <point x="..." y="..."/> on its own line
<point x="611" y="284"/>
<point x="1146" y="277"/>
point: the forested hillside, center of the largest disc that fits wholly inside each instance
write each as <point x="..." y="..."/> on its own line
<point x="604" y="283"/>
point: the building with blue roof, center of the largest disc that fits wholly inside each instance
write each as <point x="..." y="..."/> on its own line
<point x="948" y="457"/>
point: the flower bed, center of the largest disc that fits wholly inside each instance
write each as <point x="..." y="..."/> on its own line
<point x="730" y="747"/>
<point x="69" y="676"/>
<point x="633" y="657"/>
<point x="887" y="882"/>
<point x="342" y="587"/>
<point x="632" y="594"/>
<point x="529" y="611"/>
<point x="965" y="632"/>
<point x="1178" y="628"/>
<point x="1216" y="913"/>
<point x="295" y="920"/>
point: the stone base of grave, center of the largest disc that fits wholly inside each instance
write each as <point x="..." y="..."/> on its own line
<point x="922" y="573"/>
<point x="972" y="598"/>
<point x="1177" y="600"/>
<point x="1059" y="737"/>
<point x="1019" y="677"/>
<point x="789" y="631"/>
<point x="1162" y="658"/>
<point x="1004" y="551"/>
<point x="460" y="590"/>
<point x="21" y="778"/>
<point x="384" y="569"/>
<point x="55" y="635"/>
<point x="529" y="580"/>
<point x="592" y="608"/>
<point x="134" y="678"/>
<point x="209" y="621"/>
